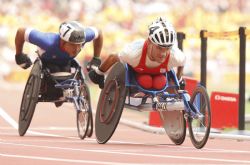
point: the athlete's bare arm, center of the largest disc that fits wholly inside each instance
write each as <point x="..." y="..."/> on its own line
<point x="97" y="44"/>
<point x="19" y="40"/>
<point x="179" y="72"/>
<point x="110" y="61"/>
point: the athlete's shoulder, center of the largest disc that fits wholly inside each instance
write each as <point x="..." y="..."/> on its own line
<point x="41" y="39"/>
<point x="91" y="33"/>
<point x="175" y="50"/>
<point x="134" y="46"/>
<point x="137" y="43"/>
<point x="132" y="50"/>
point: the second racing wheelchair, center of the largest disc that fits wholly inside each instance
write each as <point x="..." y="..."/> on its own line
<point x="175" y="108"/>
<point x="59" y="87"/>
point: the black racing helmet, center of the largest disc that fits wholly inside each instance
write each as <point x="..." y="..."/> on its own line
<point x="72" y="31"/>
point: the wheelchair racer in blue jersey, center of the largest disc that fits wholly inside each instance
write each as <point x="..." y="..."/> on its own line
<point x="58" y="49"/>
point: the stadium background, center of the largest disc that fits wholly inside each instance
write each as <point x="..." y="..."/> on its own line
<point x="124" y="21"/>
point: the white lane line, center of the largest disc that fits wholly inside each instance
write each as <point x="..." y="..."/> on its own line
<point x="57" y="128"/>
<point x="178" y="149"/>
<point x="130" y="153"/>
<point x="8" y="119"/>
<point x="64" y="160"/>
<point x="45" y="128"/>
<point x="14" y="124"/>
<point x="88" y="140"/>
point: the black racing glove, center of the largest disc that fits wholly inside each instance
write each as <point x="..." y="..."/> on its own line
<point x="95" y="61"/>
<point x="23" y="60"/>
<point x="182" y="83"/>
<point x="96" y="78"/>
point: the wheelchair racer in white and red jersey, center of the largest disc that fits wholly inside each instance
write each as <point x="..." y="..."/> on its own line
<point x="150" y="58"/>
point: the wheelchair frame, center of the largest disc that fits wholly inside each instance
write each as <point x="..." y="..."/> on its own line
<point x="196" y="110"/>
<point x="73" y="88"/>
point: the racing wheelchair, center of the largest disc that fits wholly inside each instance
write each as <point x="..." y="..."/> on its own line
<point x="175" y="108"/>
<point x="43" y="86"/>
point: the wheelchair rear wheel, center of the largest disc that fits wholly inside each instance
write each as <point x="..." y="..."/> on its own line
<point x="110" y="104"/>
<point x="84" y="116"/>
<point x="29" y="99"/>
<point x="199" y="127"/>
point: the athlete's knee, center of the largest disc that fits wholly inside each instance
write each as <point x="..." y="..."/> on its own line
<point x="144" y="80"/>
<point x="159" y="81"/>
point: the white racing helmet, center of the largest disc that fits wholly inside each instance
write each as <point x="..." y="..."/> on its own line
<point x="162" y="33"/>
<point x="72" y="31"/>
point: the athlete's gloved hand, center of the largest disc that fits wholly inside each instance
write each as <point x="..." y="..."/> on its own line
<point x="23" y="60"/>
<point x="97" y="77"/>
<point x="182" y="83"/>
<point x="95" y="61"/>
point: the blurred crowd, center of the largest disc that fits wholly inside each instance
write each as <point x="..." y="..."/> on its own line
<point x="123" y="21"/>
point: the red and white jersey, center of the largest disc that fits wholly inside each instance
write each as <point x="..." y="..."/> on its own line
<point x="133" y="55"/>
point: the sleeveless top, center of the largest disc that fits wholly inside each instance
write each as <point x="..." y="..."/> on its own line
<point x="142" y="68"/>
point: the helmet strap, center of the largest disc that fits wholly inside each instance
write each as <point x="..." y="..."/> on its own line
<point x="61" y="44"/>
<point x="150" y="51"/>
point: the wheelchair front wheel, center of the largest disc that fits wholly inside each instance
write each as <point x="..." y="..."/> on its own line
<point x="199" y="126"/>
<point x="84" y="116"/>
<point x="29" y="99"/>
<point x="87" y="97"/>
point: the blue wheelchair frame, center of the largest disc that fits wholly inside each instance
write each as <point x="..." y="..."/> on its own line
<point x="175" y="108"/>
<point x="68" y="84"/>
<point x="72" y="86"/>
<point x="130" y="81"/>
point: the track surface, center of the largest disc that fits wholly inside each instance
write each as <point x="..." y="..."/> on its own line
<point x="52" y="139"/>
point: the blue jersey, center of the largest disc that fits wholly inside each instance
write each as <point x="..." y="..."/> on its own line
<point x="49" y="47"/>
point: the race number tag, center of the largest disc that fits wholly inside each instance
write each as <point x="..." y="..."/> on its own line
<point x="163" y="70"/>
